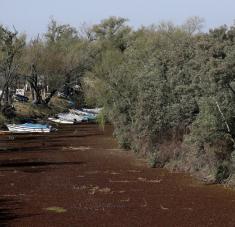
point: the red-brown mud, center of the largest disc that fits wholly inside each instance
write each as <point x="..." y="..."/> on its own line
<point x="78" y="177"/>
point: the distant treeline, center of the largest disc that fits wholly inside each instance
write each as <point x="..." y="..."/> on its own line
<point x="168" y="90"/>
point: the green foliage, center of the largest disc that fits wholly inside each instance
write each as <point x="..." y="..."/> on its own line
<point x="113" y="32"/>
<point x="170" y="83"/>
<point x="153" y="161"/>
<point x="11" y="48"/>
<point x="208" y="125"/>
<point x="101" y="119"/>
<point x="223" y="172"/>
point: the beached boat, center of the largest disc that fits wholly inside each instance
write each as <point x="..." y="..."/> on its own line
<point x="85" y="115"/>
<point x="93" y="111"/>
<point x="29" y="128"/>
<point x="60" y="121"/>
<point x="71" y="117"/>
<point x="68" y="118"/>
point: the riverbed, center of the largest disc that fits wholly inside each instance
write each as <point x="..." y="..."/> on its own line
<point x="78" y="176"/>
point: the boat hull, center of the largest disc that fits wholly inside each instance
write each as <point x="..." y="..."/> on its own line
<point x="23" y="129"/>
<point x="60" y="121"/>
<point x="85" y="115"/>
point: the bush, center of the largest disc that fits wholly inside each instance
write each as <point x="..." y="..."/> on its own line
<point x="170" y="96"/>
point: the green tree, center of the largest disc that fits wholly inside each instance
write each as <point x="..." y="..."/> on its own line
<point x="11" y="44"/>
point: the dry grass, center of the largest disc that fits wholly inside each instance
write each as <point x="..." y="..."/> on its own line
<point x="29" y="110"/>
<point x="2" y="120"/>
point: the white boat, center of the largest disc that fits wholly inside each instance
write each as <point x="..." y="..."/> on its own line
<point x="60" y="121"/>
<point x="29" y="128"/>
<point x="78" y="112"/>
<point x="93" y="111"/>
<point x="86" y="115"/>
<point x="71" y="117"/>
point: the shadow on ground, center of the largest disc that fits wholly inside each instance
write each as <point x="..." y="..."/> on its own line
<point x="32" y="166"/>
<point x="8" y="211"/>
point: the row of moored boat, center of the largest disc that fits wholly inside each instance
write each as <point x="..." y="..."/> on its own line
<point x="72" y="117"/>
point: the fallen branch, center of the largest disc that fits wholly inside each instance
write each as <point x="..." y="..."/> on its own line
<point x="226" y="123"/>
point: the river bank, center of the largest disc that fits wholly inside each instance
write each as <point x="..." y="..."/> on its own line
<point x="26" y="111"/>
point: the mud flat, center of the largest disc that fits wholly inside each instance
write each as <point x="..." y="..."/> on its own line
<point x="77" y="176"/>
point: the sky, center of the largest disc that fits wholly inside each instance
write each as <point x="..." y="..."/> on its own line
<point x="33" y="16"/>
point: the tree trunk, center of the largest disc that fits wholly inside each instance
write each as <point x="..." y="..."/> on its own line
<point x="48" y="99"/>
<point x="38" y="96"/>
<point x="6" y="97"/>
<point x="32" y="93"/>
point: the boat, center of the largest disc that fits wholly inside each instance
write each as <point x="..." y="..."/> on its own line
<point x="68" y="118"/>
<point x="92" y="111"/>
<point x="21" y="98"/>
<point x="60" y="121"/>
<point x="29" y="128"/>
<point x="86" y="116"/>
<point x="71" y="117"/>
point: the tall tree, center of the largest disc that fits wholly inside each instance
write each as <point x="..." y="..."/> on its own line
<point x="11" y="45"/>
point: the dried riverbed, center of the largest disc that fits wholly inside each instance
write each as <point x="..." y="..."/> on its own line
<point x="78" y="177"/>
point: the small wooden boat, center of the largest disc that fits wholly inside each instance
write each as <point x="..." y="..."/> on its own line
<point x="29" y="128"/>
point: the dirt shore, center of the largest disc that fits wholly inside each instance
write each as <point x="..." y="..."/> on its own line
<point x="78" y="177"/>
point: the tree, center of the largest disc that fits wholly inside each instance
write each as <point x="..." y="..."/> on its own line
<point x="193" y="25"/>
<point x="68" y="56"/>
<point x="11" y="45"/>
<point x="35" y="61"/>
<point x="113" y="31"/>
<point x="171" y="83"/>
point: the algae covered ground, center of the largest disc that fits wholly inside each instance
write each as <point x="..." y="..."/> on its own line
<point x="78" y="176"/>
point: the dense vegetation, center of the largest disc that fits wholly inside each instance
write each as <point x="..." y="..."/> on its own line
<point x="168" y="90"/>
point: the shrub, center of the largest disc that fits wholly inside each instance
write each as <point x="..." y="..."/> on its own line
<point x="170" y="96"/>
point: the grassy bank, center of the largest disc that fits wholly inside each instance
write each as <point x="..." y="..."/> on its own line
<point x="28" y="110"/>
